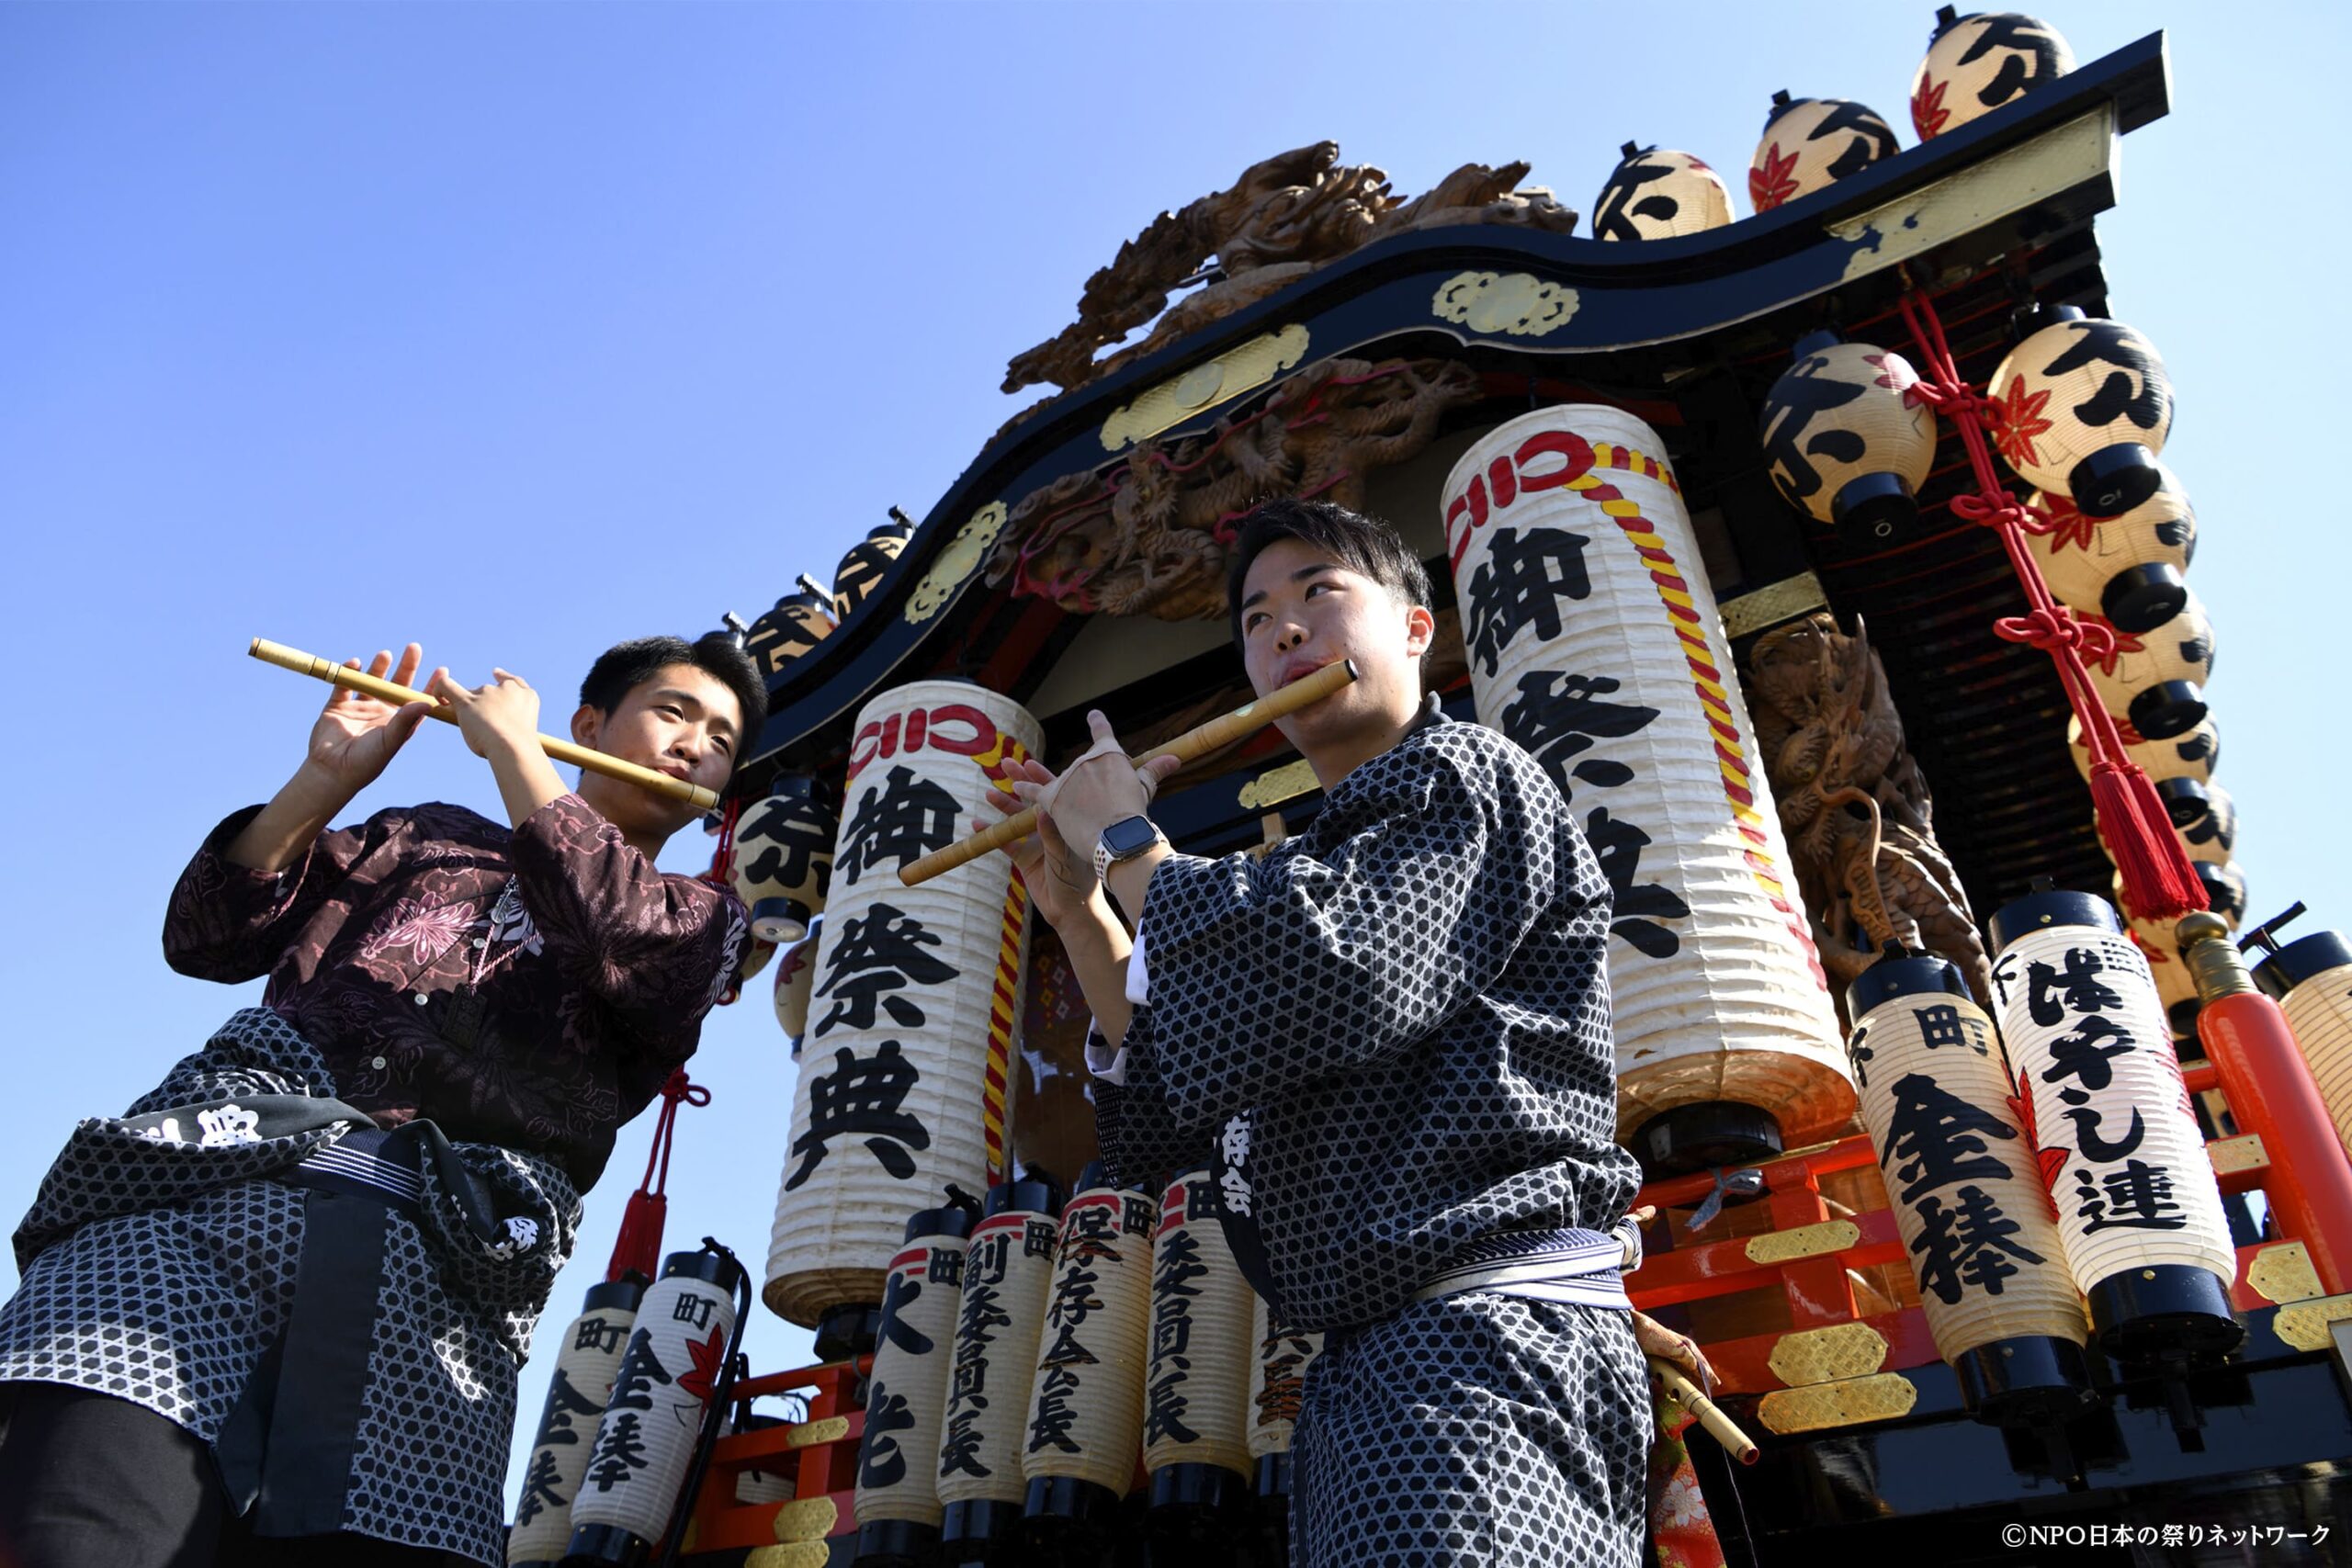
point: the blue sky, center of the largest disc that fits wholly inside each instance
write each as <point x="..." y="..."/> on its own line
<point x="518" y="329"/>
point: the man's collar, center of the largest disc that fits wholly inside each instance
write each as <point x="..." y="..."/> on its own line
<point x="1433" y="712"/>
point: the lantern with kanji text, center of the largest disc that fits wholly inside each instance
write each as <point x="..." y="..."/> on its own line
<point x="1845" y="438"/>
<point x="1196" y="1390"/>
<point x="798" y="622"/>
<point x="784" y="858"/>
<point x="1976" y="63"/>
<point x="1811" y="143"/>
<point x="2127" y="568"/>
<point x="897" y="1504"/>
<point x="2156" y="678"/>
<point x="2082" y="407"/>
<point x="1655" y="194"/>
<point x="862" y="569"/>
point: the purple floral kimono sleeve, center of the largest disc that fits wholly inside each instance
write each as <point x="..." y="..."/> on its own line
<point x="231" y="922"/>
<point x="658" y="948"/>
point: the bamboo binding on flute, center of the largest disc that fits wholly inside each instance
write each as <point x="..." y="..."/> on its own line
<point x="1197" y="742"/>
<point x="1681" y="1390"/>
<point x="335" y="674"/>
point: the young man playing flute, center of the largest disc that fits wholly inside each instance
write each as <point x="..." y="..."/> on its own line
<point x="275" y="1312"/>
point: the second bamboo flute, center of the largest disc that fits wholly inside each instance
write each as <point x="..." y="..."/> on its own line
<point x="335" y="674"/>
<point x="1195" y="743"/>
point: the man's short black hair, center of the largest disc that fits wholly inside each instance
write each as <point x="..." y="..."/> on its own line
<point x="1361" y="544"/>
<point x="625" y="666"/>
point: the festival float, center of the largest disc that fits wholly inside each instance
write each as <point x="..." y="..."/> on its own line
<point x="1828" y="560"/>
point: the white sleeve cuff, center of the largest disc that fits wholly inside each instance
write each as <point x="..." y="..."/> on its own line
<point x="1102" y="1062"/>
<point x="1138" y="971"/>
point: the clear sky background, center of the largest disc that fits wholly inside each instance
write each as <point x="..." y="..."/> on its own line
<point x="517" y="330"/>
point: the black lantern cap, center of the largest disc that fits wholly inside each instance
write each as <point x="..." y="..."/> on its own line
<point x="1873" y="508"/>
<point x="616" y="1295"/>
<point x="2186" y="800"/>
<point x="2142" y="598"/>
<point x="897" y="1543"/>
<point x="2114" y="479"/>
<point x="1033" y="1188"/>
<point x="2289" y="965"/>
<point x="1904" y="974"/>
<point x="2167" y="709"/>
<point x="2052" y="907"/>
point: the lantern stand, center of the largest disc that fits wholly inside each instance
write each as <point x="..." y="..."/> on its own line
<point x="2136" y="823"/>
<point x="713" y="1415"/>
<point x="2273" y="1095"/>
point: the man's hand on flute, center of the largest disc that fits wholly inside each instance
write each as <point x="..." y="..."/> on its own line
<point x="500" y="724"/>
<point x="355" y="737"/>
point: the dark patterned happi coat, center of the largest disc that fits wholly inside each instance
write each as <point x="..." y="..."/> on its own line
<point x="159" y="1260"/>
<point x="1407" y="1007"/>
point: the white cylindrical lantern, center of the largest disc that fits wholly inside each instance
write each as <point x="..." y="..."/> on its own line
<point x="862" y="569"/>
<point x="1966" y="1188"/>
<point x="2082" y="407"/>
<point x="1196" y="1392"/>
<point x="2127" y="569"/>
<point x="1594" y="643"/>
<point x="898" y="1502"/>
<point x="668" y="1374"/>
<point x="1810" y="144"/>
<point x="1976" y="63"/>
<point x="1277" y="1379"/>
<point x="784" y="859"/>
<point x="1657" y="195"/>
<point x="1845" y="438"/>
<point x="2139" y="1208"/>
<point x="2191" y="756"/>
<point x="798" y="622"/>
<point x="587" y="1354"/>
<point x="2157" y="677"/>
<point x="2310" y="978"/>
<point x="1008" y="1275"/>
<point x="904" y="1059"/>
<point x="1086" y="1402"/>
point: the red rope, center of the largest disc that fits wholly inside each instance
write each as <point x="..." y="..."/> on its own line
<point x="2158" y="881"/>
<point x="638" y="1245"/>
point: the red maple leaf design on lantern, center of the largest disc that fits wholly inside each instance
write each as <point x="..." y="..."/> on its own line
<point x="2069" y="529"/>
<point x="1928" y="111"/>
<point x="2018" y="414"/>
<point x="2051" y="1161"/>
<point x="1695" y="164"/>
<point x="1898" y="375"/>
<point x="708" y="1357"/>
<point x="1775" y="181"/>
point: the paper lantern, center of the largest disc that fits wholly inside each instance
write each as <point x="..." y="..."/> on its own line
<point x="2139" y="1208"/>
<point x="2082" y="407"/>
<point x="897" y="1505"/>
<point x="2190" y="757"/>
<point x="798" y="621"/>
<point x="1594" y="643"/>
<point x="1845" y="438"/>
<point x="1196" y="1391"/>
<point x="902" y="1070"/>
<point x="1086" y="1404"/>
<point x="1967" y="1193"/>
<point x="2157" y="677"/>
<point x="1008" y="1275"/>
<point x="1810" y="143"/>
<point x="2311" y="979"/>
<point x="1277" y="1381"/>
<point x="761" y="1485"/>
<point x="784" y="858"/>
<point x="795" y="976"/>
<point x="2159" y="945"/>
<point x="1976" y="63"/>
<point x="675" y="1357"/>
<point x="1657" y="195"/>
<point x="862" y="569"/>
<point x="2210" y="833"/>
<point x="2224" y="887"/>
<point x="585" y="1358"/>
<point x="2127" y="568"/>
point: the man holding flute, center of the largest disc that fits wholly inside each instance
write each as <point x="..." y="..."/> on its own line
<point x="1390" y="1036"/>
<point x="275" y="1312"/>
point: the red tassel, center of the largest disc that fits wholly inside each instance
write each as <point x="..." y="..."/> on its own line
<point x="640" y="1247"/>
<point x="2159" y="884"/>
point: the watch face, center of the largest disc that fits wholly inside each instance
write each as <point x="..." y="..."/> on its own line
<point x="1129" y="836"/>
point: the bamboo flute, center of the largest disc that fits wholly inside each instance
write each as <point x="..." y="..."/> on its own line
<point x="1680" y="1389"/>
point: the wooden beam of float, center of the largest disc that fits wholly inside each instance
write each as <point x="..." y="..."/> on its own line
<point x="1193" y="744"/>
<point x="335" y="674"/>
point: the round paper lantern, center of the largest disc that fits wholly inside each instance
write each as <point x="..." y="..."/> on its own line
<point x="2159" y="945"/>
<point x="1656" y="195"/>
<point x="1277" y="1381"/>
<point x="2157" y="677"/>
<point x="1594" y="644"/>
<point x="1976" y="63"/>
<point x="2224" y="887"/>
<point x="784" y="858"/>
<point x="897" y="1505"/>
<point x="2127" y="569"/>
<point x="862" y="569"/>
<point x="1845" y="438"/>
<point x="798" y="621"/>
<point x="1008" y="1276"/>
<point x="1196" y="1392"/>
<point x="585" y="1358"/>
<point x="1086" y="1404"/>
<point x="2139" y="1210"/>
<point x="1967" y="1193"/>
<point x="2311" y="979"/>
<point x="2082" y="408"/>
<point x="2190" y="757"/>
<point x="2211" y="834"/>
<point x="676" y="1353"/>
<point x="795" y="976"/>
<point x="1810" y="143"/>
<point x="903" y="1068"/>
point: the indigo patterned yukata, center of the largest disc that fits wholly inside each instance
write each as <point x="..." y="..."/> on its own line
<point x="458" y="1018"/>
<point x="1391" y="1034"/>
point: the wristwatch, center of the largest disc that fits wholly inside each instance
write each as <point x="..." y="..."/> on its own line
<point x="1123" y="839"/>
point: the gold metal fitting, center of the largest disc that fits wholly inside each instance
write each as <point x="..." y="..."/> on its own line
<point x="2214" y="959"/>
